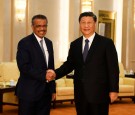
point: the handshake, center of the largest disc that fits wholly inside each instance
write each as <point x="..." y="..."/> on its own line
<point x="50" y="75"/>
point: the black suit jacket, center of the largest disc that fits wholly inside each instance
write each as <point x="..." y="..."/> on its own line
<point x="31" y="63"/>
<point x="98" y="75"/>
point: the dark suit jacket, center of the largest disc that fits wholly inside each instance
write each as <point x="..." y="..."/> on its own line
<point x="31" y="63"/>
<point x="96" y="77"/>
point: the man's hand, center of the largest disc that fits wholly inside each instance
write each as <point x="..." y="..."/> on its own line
<point x="53" y="96"/>
<point x="50" y="75"/>
<point x="113" y="96"/>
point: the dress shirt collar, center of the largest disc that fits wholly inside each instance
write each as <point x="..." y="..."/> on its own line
<point x="90" y="41"/>
<point x="38" y="39"/>
<point x="90" y="38"/>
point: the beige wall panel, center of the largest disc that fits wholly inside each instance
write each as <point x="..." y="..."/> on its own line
<point x="12" y="30"/>
<point x="1" y="30"/>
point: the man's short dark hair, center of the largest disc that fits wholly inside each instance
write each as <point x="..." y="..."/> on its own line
<point x="91" y="14"/>
<point x="39" y="16"/>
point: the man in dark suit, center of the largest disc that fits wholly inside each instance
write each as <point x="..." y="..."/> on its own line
<point x="34" y="56"/>
<point x="96" y="72"/>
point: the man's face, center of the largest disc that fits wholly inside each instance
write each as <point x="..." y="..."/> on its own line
<point x="87" y="26"/>
<point x="40" y="27"/>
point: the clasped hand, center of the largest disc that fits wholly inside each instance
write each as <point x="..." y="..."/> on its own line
<point x="50" y="75"/>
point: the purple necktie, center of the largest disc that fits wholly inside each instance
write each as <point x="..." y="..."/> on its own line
<point x="86" y="49"/>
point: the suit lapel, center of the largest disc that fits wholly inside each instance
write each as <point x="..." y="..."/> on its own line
<point x="92" y="48"/>
<point x="48" y="48"/>
<point x="36" y="44"/>
<point x="79" y="47"/>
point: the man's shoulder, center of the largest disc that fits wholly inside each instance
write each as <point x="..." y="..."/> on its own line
<point x="78" y="40"/>
<point x="47" y="39"/>
<point x="103" y="37"/>
<point x="27" y="38"/>
<point x="26" y="41"/>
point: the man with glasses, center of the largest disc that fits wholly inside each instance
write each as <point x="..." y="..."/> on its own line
<point x="34" y="56"/>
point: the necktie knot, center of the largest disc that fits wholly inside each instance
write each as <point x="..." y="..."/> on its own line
<point x="86" y="41"/>
<point x="41" y="41"/>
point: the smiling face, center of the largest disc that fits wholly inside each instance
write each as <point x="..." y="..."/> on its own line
<point x="39" y="27"/>
<point x="87" y="26"/>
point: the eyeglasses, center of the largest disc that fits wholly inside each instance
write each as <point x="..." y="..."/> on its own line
<point x="40" y="26"/>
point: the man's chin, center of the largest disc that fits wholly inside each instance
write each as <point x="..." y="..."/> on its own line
<point x="41" y="36"/>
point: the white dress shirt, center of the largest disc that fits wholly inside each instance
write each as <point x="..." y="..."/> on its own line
<point x="44" y="46"/>
<point x="90" y="41"/>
